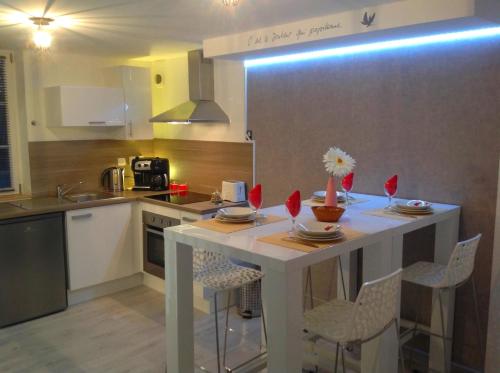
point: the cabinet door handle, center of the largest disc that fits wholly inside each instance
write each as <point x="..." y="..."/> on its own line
<point x="189" y="220"/>
<point x="97" y="122"/>
<point x="83" y="216"/>
<point x="155" y="232"/>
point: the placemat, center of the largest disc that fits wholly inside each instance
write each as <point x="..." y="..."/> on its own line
<point x="277" y="239"/>
<point x="383" y="213"/>
<point x="217" y="226"/>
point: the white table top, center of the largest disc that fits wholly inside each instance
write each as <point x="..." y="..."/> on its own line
<point x="244" y="245"/>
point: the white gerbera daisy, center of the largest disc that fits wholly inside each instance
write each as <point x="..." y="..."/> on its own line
<point x="337" y="162"/>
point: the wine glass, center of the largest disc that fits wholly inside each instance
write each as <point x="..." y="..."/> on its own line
<point x="347" y="185"/>
<point x="293" y="205"/>
<point x="391" y="187"/>
<point x="255" y="199"/>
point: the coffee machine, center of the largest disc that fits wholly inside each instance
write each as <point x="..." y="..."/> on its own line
<point x="150" y="173"/>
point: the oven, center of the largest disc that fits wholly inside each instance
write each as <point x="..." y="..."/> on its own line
<point x="153" y="245"/>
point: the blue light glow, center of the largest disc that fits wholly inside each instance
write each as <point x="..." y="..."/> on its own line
<point x="378" y="46"/>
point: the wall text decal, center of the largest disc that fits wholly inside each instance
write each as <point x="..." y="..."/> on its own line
<point x="298" y="34"/>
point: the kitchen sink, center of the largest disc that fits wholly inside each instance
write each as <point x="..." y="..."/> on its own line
<point x="86" y="197"/>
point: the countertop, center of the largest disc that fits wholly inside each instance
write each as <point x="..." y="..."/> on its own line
<point x="45" y="205"/>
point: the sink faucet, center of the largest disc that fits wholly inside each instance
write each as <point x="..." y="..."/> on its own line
<point x="63" y="189"/>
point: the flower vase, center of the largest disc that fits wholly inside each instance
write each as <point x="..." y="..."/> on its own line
<point x="331" y="192"/>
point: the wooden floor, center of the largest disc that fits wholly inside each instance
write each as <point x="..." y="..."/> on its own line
<point x="123" y="332"/>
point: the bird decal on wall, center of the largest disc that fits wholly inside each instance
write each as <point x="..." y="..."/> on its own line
<point x="368" y="19"/>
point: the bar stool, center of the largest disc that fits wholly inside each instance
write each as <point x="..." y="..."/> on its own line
<point x="216" y="272"/>
<point x="346" y="323"/>
<point x="446" y="277"/>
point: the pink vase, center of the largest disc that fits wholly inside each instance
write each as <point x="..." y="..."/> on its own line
<point x="331" y="192"/>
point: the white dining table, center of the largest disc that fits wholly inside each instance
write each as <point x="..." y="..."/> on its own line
<point x="381" y="239"/>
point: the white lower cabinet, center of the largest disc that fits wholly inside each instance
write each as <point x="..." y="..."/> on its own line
<point x="100" y="245"/>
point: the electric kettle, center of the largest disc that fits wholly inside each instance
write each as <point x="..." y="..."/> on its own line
<point x="113" y="179"/>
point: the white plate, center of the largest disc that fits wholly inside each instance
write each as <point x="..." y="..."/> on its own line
<point x="322" y="239"/>
<point x="335" y="236"/>
<point x="321" y="194"/>
<point x="412" y="212"/>
<point x="318" y="229"/>
<point x="235" y="221"/>
<point x="414" y="204"/>
<point x="235" y="212"/>
<point x="322" y="200"/>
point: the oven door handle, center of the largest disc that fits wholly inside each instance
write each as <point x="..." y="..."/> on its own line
<point x="153" y="231"/>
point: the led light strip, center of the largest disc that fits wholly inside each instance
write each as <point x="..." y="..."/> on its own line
<point x="377" y="46"/>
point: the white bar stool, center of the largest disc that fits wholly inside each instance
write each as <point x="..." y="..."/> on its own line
<point x="345" y="323"/>
<point x="440" y="277"/>
<point x="218" y="273"/>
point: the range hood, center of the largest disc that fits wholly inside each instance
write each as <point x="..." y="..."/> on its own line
<point x="201" y="106"/>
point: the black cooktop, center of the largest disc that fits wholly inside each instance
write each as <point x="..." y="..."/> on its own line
<point x="181" y="198"/>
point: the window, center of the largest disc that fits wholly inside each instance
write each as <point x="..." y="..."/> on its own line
<point x="6" y="170"/>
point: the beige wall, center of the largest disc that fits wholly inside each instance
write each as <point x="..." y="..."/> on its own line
<point x="37" y="71"/>
<point x="40" y="71"/>
<point x="229" y="82"/>
<point x="51" y="69"/>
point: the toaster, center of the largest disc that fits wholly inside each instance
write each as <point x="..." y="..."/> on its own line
<point x="233" y="191"/>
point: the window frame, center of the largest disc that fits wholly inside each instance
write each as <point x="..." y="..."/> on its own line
<point x="13" y="124"/>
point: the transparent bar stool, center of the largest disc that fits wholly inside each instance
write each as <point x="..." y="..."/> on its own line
<point x="216" y="272"/>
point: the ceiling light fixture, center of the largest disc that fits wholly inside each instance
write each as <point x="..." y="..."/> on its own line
<point x="230" y="2"/>
<point x="42" y="38"/>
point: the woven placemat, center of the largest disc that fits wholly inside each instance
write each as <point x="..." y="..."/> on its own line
<point x="277" y="239"/>
<point x="217" y="226"/>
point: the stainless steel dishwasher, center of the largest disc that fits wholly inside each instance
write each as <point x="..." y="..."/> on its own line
<point x="32" y="267"/>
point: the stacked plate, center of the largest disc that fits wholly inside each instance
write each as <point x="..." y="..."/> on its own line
<point x="413" y="207"/>
<point x="320" y="195"/>
<point x="235" y="215"/>
<point x="317" y="231"/>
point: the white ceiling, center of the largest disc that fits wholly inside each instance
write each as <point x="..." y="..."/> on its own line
<point x="136" y="28"/>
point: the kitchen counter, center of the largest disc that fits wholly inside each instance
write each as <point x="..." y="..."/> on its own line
<point x="200" y="208"/>
<point x="44" y="205"/>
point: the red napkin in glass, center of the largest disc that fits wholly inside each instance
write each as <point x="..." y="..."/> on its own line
<point x="293" y="203"/>
<point x="391" y="185"/>
<point x="347" y="182"/>
<point x="255" y="196"/>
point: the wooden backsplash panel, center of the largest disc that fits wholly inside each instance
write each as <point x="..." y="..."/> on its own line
<point x="429" y="114"/>
<point x="59" y="162"/>
<point x="204" y="164"/>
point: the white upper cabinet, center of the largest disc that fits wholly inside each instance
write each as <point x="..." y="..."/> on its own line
<point x="136" y="84"/>
<point x="69" y="106"/>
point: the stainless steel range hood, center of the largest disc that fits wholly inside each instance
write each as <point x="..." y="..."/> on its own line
<point x="201" y="106"/>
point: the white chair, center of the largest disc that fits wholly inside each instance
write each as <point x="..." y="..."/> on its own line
<point x="345" y="323"/>
<point x="218" y="273"/>
<point x="445" y="277"/>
